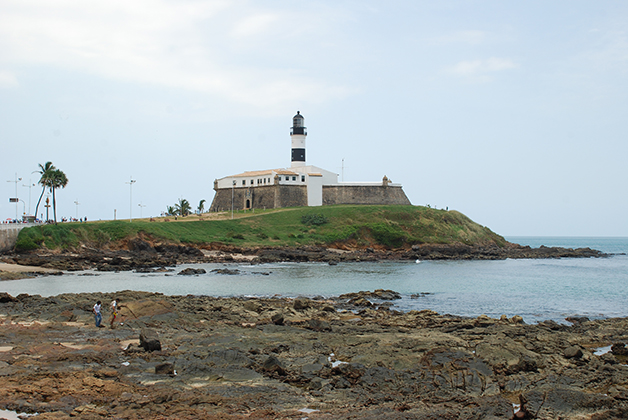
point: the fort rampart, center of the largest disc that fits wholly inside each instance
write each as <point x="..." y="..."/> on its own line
<point x="277" y="196"/>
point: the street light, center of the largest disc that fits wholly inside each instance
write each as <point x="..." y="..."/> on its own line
<point x="30" y="184"/>
<point x="232" y="190"/>
<point x="77" y="204"/>
<point x="141" y="206"/>
<point x="131" y="182"/>
<point x="16" y="199"/>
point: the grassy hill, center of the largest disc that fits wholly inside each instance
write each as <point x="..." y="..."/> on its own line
<point x="384" y="227"/>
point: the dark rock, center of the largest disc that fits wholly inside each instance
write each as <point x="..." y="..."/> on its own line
<point x="315" y="383"/>
<point x="577" y="319"/>
<point x="272" y="364"/>
<point x="5" y="298"/>
<point x="301" y="304"/>
<point x="619" y="349"/>
<point x="226" y="271"/>
<point x="318" y="325"/>
<point x="165" y="369"/>
<point x="386" y="294"/>
<point x="191" y="271"/>
<point x="573" y="352"/>
<point x="361" y="302"/>
<point x="277" y="318"/>
<point x="139" y="245"/>
<point x="149" y="340"/>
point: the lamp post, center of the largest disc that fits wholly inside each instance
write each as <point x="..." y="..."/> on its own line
<point x="30" y="184"/>
<point x="131" y="182"/>
<point x="232" y="191"/>
<point x="141" y="206"/>
<point x="47" y="206"/>
<point x="77" y="204"/>
<point x="16" y="199"/>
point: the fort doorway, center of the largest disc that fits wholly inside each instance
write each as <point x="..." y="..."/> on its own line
<point x="248" y="204"/>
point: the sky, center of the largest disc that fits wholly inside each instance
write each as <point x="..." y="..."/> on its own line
<point x="513" y="113"/>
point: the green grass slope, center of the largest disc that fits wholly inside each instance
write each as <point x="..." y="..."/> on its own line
<point x="385" y="227"/>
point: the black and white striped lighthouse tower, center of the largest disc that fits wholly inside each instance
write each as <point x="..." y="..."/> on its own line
<point x="298" y="132"/>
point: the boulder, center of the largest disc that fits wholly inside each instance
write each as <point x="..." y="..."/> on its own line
<point x="619" y="349"/>
<point x="166" y="368"/>
<point x="149" y="340"/>
<point x="5" y="298"/>
<point x="191" y="271"/>
<point x="573" y="352"/>
<point x="318" y="325"/>
<point x="301" y="304"/>
<point x="277" y="318"/>
<point x="272" y="364"/>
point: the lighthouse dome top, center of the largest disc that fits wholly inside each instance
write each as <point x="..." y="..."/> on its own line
<point x="298" y="121"/>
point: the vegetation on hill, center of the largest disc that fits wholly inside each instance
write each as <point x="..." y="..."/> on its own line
<point x="384" y="227"/>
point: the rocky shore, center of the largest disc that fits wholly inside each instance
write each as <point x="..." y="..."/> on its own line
<point x="192" y="357"/>
<point x="144" y="254"/>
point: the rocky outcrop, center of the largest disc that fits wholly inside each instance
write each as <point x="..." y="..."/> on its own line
<point x="233" y="358"/>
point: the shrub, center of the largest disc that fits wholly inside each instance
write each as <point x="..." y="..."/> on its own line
<point x="315" y="219"/>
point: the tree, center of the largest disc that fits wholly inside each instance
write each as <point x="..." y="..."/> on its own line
<point x="57" y="179"/>
<point x="45" y="170"/>
<point x="183" y="207"/>
<point x="171" y="211"/>
<point x="201" y="207"/>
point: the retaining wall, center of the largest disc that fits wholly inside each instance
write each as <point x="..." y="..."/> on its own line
<point x="360" y="194"/>
<point x="277" y="196"/>
<point x="8" y="236"/>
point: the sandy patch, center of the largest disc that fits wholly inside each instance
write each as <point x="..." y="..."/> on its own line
<point x="5" y="348"/>
<point x="74" y="324"/>
<point x="16" y="268"/>
<point x="126" y="343"/>
<point x="75" y="346"/>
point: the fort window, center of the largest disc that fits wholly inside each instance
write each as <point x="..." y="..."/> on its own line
<point x="294" y="178"/>
<point x="243" y="182"/>
<point x="251" y="182"/>
<point x="302" y="178"/>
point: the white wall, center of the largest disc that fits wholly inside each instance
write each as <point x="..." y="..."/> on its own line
<point x="314" y="191"/>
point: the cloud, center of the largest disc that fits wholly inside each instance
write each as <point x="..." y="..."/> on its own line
<point x="8" y="80"/>
<point x="470" y="37"/>
<point x="192" y="45"/>
<point x="254" y="25"/>
<point x="480" y="69"/>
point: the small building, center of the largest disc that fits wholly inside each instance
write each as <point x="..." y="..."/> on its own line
<point x="299" y="185"/>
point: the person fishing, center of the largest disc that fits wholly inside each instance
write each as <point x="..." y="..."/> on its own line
<point x="115" y="308"/>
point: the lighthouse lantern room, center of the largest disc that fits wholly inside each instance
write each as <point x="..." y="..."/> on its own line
<point x="298" y="132"/>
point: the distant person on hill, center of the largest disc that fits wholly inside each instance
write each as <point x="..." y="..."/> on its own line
<point x="97" y="314"/>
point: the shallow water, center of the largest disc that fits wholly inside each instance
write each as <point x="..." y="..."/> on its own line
<point x="535" y="289"/>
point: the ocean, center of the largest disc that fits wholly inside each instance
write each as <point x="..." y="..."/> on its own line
<point x="535" y="289"/>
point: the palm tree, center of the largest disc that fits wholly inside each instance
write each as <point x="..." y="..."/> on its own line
<point x="171" y="211"/>
<point x="45" y="170"/>
<point x="183" y="207"/>
<point x="201" y="207"/>
<point x="57" y="179"/>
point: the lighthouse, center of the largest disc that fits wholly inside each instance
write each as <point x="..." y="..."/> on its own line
<point x="298" y="132"/>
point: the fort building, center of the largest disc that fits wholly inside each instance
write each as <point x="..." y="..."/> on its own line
<point x="299" y="185"/>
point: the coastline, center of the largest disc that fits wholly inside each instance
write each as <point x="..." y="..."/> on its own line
<point x="291" y="358"/>
<point x="142" y="254"/>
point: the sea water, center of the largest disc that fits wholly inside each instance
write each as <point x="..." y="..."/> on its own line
<point x="535" y="289"/>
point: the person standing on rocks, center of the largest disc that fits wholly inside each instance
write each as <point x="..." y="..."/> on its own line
<point x="97" y="314"/>
<point x="115" y="307"/>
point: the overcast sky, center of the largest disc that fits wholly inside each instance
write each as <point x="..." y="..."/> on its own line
<point x="513" y="113"/>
